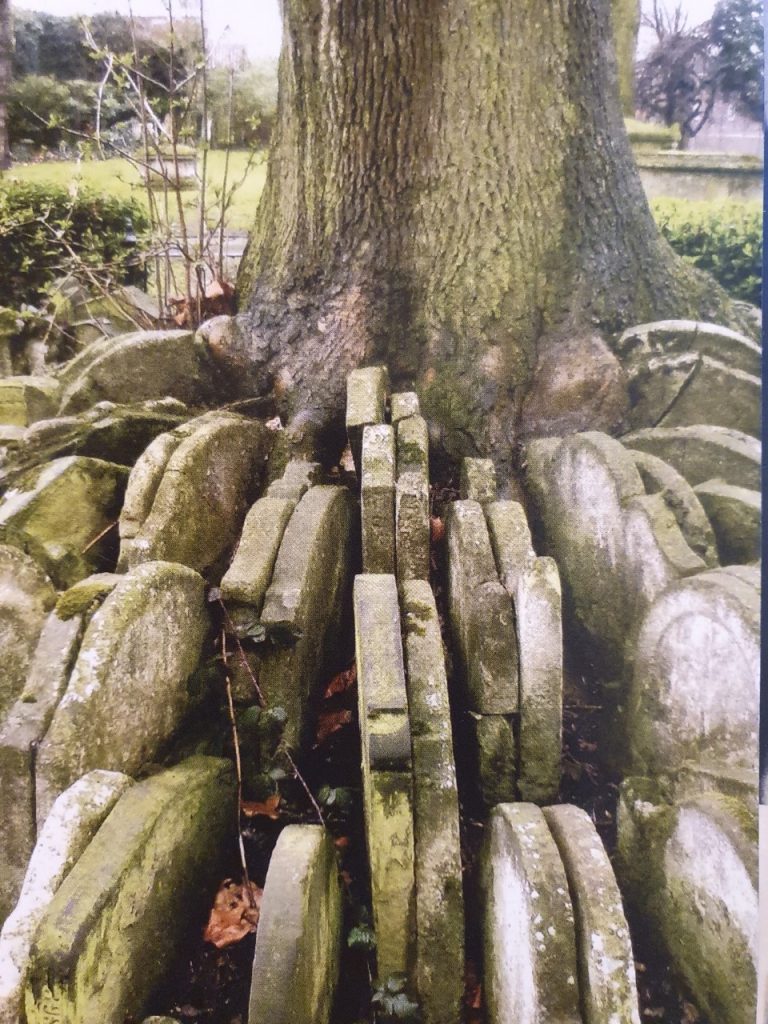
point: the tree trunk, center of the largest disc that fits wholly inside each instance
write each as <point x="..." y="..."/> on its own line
<point x="6" y="49"/>
<point x="450" y="191"/>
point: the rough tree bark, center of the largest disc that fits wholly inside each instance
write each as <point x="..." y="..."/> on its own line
<point x="451" y="191"/>
<point x="6" y="48"/>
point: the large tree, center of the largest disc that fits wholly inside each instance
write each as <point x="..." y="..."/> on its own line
<point x="451" y="191"/>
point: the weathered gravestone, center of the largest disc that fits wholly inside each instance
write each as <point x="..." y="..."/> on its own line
<point x="298" y="943"/>
<point x="377" y="498"/>
<point x="412" y="499"/>
<point x="700" y="453"/>
<point x="24" y="400"/>
<point x="736" y="517"/>
<point x="673" y="337"/>
<point x="119" y="918"/>
<point x="478" y="480"/>
<point x="366" y="404"/>
<point x="510" y="540"/>
<point x="137" y="654"/>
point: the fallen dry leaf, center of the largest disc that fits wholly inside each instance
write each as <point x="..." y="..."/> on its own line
<point x="268" y="808"/>
<point x="436" y="529"/>
<point x="341" y="843"/>
<point x="330" y="722"/>
<point x="342" y="681"/>
<point x="235" y="913"/>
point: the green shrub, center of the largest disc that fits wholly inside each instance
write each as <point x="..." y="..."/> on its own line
<point x="723" y="237"/>
<point x="46" y="231"/>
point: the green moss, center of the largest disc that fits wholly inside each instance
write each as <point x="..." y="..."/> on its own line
<point x="80" y="598"/>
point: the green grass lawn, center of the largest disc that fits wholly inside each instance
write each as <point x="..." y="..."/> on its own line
<point x="118" y="178"/>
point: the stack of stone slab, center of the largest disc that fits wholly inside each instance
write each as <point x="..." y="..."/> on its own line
<point x="410" y="795"/>
<point x="115" y="650"/>
<point x="556" y="942"/>
<point x="392" y="462"/>
<point x="285" y="594"/>
<point x="504" y="608"/>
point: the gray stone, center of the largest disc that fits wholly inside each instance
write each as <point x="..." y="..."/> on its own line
<point x="57" y="512"/>
<point x="660" y="478"/>
<point x="481" y="613"/>
<point x="250" y="573"/>
<point x="696" y="681"/>
<point x="201" y="499"/>
<point x="540" y="646"/>
<point x="26" y="595"/>
<point x="296" y="480"/>
<point x="671" y="337"/>
<point x="21" y="731"/>
<point x="735" y="514"/>
<point x="478" y="480"/>
<point x="703" y="452"/>
<point x="439" y="897"/>
<point x="510" y="540"/>
<point x="137" y="654"/>
<point x="377" y="499"/>
<point x="720" y="395"/>
<point x="530" y="969"/>
<point x="139" y="366"/>
<point x="387" y="777"/>
<point x="655" y="385"/>
<point x="298" y="942"/>
<point x="68" y="829"/>
<point x="366" y="404"/>
<point x="493" y="751"/>
<point x="404" y="404"/>
<point x="412" y="499"/>
<point x="119" y="919"/>
<point x="607" y="983"/>
<point x="24" y="400"/>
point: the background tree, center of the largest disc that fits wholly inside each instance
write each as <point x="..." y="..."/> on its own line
<point x="450" y="190"/>
<point x="737" y="41"/>
<point x="6" y="46"/>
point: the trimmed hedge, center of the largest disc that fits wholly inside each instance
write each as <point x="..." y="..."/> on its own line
<point x="723" y="237"/>
<point x="39" y="223"/>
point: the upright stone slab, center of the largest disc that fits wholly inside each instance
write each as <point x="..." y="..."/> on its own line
<point x="377" y="499"/>
<point x="607" y="982"/>
<point x="387" y="773"/>
<point x="720" y="395"/>
<point x="671" y="337"/>
<point x="700" y="453"/>
<point x="412" y="499"/>
<point x="366" y="404"/>
<point x="540" y="646"/>
<point x="736" y="517"/>
<point x="510" y="540"/>
<point x="137" y="654"/>
<point x="26" y="595"/>
<point x="74" y="818"/>
<point x="24" y="400"/>
<point x="494" y="757"/>
<point x="250" y="573"/>
<point x="695" y="687"/>
<point x="57" y="512"/>
<point x="439" y="899"/>
<point x="298" y="476"/>
<point x="298" y="942"/>
<point x="478" y="480"/>
<point x="139" y="366"/>
<point x="660" y="478"/>
<point x="119" y="919"/>
<point x="530" y="969"/>
<point x="21" y="732"/>
<point x="481" y="613"/>
<point x="214" y="469"/>
<point x="656" y="384"/>
<point x="304" y="605"/>
<point x="404" y="404"/>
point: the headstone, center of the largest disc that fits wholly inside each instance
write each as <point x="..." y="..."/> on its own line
<point x="58" y="512"/>
<point x="404" y="404"/>
<point x="366" y="404"/>
<point x="387" y="769"/>
<point x="250" y="573"/>
<point x="700" y="453"/>
<point x="719" y="395"/>
<point x="200" y="502"/>
<point x="74" y="818"/>
<point x="24" y="400"/>
<point x="120" y="917"/>
<point x="510" y="540"/>
<point x="478" y="480"/>
<point x="412" y="499"/>
<point x="607" y="982"/>
<point x="298" y="942"/>
<point x="670" y="337"/>
<point x="137" y="654"/>
<point x="21" y="732"/>
<point x="494" y="756"/>
<point x="296" y="480"/>
<point x="656" y="384"/>
<point x="481" y="614"/>
<point x="660" y="478"/>
<point x="26" y="595"/>
<point x="540" y="646"/>
<point x="377" y="499"/>
<point x="695" y="687"/>
<point x="736" y="516"/>
<point x="137" y="367"/>
<point x="530" y="969"/>
<point x="439" y="896"/>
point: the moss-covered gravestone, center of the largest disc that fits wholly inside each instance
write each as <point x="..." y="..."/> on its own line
<point x="412" y="499"/>
<point x="366" y="404"/>
<point x="702" y="452"/>
<point x="736" y="517"/>
<point x="377" y="498"/>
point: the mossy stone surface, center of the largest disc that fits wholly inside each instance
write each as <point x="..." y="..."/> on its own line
<point x="116" y="923"/>
<point x="24" y="400"/>
<point x="86" y="595"/>
<point x="478" y="480"/>
<point x="672" y="337"/>
<point x="510" y="540"/>
<point x="137" y="654"/>
<point x="377" y="498"/>
<point x="703" y="452"/>
<point x="717" y="394"/>
<point x="412" y="526"/>
<point x="298" y="943"/>
<point x="404" y="404"/>
<point x="495" y="757"/>
<point x="366" y="404"/>
<point x="736" y="517"/>
<point x="250" y="572"/>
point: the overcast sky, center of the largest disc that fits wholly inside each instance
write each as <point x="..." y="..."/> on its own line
<point x="254" y="24"/>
